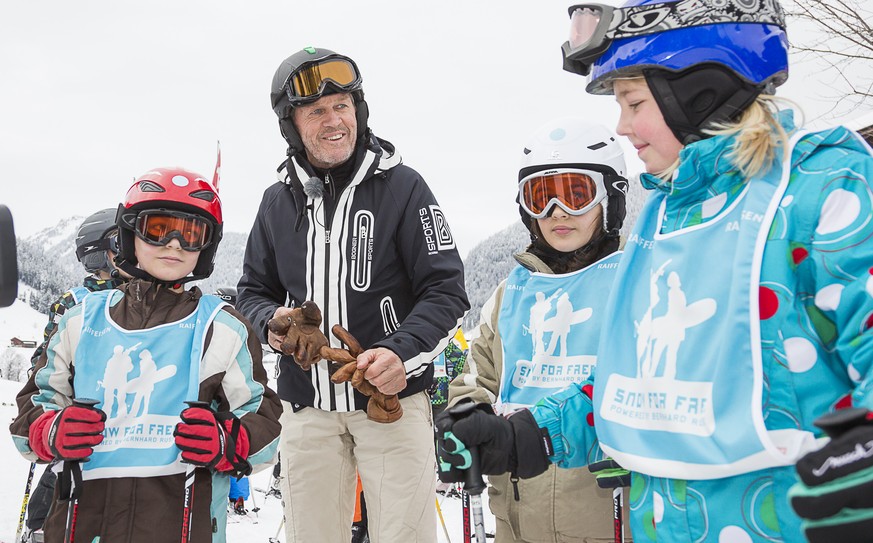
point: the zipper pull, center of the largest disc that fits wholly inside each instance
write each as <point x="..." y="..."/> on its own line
<point x="327" y="237"/>
<point x="514" y="480"/>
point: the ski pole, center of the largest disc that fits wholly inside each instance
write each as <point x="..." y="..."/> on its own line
<point x="188" y="503"/>
<point x="473" y="482"/>
<point x="474" y="485"/>
<point x="442" y="520"/>
<point x="279" y="529"/>
<point x="255" y="507"/>
<point x="617" y="514"/>
<point x="465" y="512"/>
<point x="72" y="473"/>
<point x="24" y="502"/>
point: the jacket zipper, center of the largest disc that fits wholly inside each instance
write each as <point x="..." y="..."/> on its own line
<point x="328" y="218"/>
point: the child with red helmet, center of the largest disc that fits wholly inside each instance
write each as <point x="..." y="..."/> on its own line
<point x="145" y="350"/>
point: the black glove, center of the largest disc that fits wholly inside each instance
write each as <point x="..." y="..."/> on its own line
<point x="514" y="444"/>
<point x="609" y="474"/>
<point x="835" y="492"/>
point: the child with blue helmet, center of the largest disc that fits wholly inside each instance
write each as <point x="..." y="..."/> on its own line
<point x="742" y="308"/>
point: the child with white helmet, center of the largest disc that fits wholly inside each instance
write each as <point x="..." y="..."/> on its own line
<point x="540" y="329"/>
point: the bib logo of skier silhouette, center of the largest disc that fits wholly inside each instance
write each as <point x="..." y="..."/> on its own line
<point x="661" y="336"/>
<point x="654" y="398"/>
<point x="549" y="365"/>
<point x="116" y="386"/>
<point x="127" y="397"/>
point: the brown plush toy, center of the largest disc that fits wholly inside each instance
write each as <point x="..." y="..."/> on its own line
<point x="380" y="408"/>
<point x="303" y="336"/>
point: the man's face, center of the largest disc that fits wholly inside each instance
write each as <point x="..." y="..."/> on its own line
<point x="328" y="128"/>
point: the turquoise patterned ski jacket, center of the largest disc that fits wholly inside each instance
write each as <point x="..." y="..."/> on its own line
<point x="816" y="284"/>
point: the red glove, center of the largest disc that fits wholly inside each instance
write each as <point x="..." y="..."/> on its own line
<point x="213" y="440"/>
<point x="68" y="434"/>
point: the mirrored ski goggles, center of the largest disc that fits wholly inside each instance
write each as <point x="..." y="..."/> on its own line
<point x="576" y="191"/>
<point x="593" y="27"/>
<point x="309" y="81"/>
<point x="159" y="226"/>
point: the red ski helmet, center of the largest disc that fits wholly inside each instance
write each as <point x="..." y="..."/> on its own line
<point x="173" y="190"/>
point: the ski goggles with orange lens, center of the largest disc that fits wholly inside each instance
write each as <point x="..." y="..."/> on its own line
<point x="159" y="226"/>
<point x="308" y="82"/>
<point x="575" y="191"/>
<point x="593" y="27"/>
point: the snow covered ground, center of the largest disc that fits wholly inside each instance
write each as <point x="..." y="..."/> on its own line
<point x="21" y="321"/>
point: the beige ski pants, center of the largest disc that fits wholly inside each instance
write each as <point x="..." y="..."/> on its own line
<point x="320" y="452"/>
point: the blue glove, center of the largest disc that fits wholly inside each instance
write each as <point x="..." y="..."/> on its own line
<point x="835" y="492"/>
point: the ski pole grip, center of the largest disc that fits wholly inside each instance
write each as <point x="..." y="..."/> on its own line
<point x="198" y="403"/>
<point x="473" y="482"/>
<point x="85" y="402"/>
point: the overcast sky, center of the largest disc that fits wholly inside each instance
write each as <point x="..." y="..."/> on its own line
<point x="95" y="93"/>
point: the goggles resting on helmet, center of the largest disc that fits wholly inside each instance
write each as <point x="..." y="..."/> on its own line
<point x="576" y="191"/>
<point x="593" y="27"/>
<point x="308" y="82"/>
<point x="159" y="226"/>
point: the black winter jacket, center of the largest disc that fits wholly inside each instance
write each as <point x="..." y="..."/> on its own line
<point x="376" y="255"/>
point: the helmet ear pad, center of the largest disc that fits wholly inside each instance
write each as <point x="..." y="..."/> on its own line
<point x="699" y="97"/>
<point x="616" y="203"/>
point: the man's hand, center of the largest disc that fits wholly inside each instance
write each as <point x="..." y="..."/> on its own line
<point x="386" y="371"/>
<point x="275" y="340"/>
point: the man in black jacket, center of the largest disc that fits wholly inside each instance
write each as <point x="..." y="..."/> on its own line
<point x="354" y="230"/>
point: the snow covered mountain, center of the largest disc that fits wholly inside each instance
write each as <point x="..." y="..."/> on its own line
<point x="48" y="267"/>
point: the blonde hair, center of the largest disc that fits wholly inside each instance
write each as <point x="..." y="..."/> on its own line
<point x="757" y="130"/>
<point x="758" y="135"/>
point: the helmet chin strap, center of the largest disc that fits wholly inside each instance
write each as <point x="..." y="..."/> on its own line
<point x="698" y="97"/>
<point x="139" y="273"/>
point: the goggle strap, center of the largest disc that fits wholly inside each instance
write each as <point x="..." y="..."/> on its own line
<point x="653" y="18"/>
<point x="102" y="244"/>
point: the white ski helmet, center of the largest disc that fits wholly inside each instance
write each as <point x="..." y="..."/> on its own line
<point x="574" y="143"/>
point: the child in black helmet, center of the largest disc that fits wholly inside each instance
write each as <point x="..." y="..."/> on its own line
<point x="144" y="350"/>
<point x="96" y="241"/>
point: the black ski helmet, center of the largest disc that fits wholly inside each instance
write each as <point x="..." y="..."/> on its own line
<point x="96" y="235"/>
<point x="283" y="106"/>
<point x="227" y="294"/>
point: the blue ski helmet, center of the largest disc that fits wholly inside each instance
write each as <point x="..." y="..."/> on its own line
<point x="705" y="61"/>
<point x="756" y="52"/>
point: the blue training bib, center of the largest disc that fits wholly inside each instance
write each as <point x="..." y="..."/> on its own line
<point x="683" y="395"/>
<point x="550" y="325"/>
<point x="142" y="379"/>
